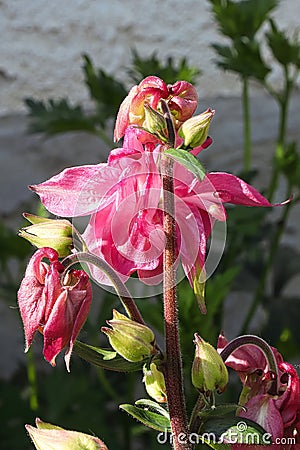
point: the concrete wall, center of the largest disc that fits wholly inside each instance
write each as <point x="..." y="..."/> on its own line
<point x="42" y="42"/>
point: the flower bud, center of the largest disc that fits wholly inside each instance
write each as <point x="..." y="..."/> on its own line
<point x="53" y="233"/>
<point x="194" y="131"/>
<point x="155" y="383"/>
<point x="51" y="437"/>
<point x="208" y="371"/>
<point x="130" y="339"/>
<point x="155" y="123"/>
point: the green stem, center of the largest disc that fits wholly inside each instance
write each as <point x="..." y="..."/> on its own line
<point x="195" y="420"/>
<point x="258" y="342"/>
<point x="32" y="381"/>
<point x="118" y="284"/>
<point x="173" y="363"/>
<point x="283" y="100"/>
<point x="247" y="125"/>
<point x="260" y="290"/>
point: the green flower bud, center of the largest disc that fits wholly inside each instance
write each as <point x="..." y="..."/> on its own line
<point x="155" y="123"/>
<point x="52" y="437"/>
<point x="53" y="233"/>
<point x="194" y="131"/>
<point x="208" y="371"/>
<point x="130" y="339"/>
<point x="155" y="383"/>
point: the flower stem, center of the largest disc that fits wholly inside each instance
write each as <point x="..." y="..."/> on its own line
<point x="260" y="290"/>
<point x="247" y="125"/>
<point x="173" y="363"/>
<point x="118" y="284"/>
<point x="258" y="342"/>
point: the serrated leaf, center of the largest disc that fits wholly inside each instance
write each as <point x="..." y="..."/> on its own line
<point x="188" y="160"/>
<point x="237" y="19"/>
<point x="57" y="116"/>
<point x="237" y="430"/>
<point x="105" y="358"/>
<point x="104" y="89"/>
<point x="150" y="419"/>
<point x="168" y="71"/>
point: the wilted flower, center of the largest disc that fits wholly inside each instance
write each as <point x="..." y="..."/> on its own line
<point x="132" y="340"/>
<point x="51" y="437"/>
<point x="54" y="306"/>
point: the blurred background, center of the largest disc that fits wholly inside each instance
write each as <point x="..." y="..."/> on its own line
<point x="64" y="69"/>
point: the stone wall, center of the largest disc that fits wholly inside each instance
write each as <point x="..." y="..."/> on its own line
<point x="42" y="42"/>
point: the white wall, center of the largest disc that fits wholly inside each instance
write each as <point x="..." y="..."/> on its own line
<point x="41" y="42"/>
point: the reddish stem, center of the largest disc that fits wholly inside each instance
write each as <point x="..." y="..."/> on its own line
<point x="173" y="364"/>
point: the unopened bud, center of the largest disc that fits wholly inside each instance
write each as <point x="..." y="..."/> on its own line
<point x="155" y="123"/>
<point x="208" y="371"/>
<point x="130" y="339"/>
<point x="53" y="233"/>
<point x="51" y="437"/>
<point x="194" y="131"/>
<point x="155" y="383"/>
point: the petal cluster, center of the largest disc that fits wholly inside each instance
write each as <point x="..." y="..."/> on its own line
<point x="54" y="306"/>
<point x="124" y="200"/>
<point x="278" y="414"/>
<point x="181" y="97"/>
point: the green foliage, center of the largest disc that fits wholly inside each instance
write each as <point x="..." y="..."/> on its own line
<point x="105" y="90"/>
<point x="156" y="419"/>
<point x="241" y="19"/>
<point x="286" y="51"/>
<point x="227" y="427"/>
<point x="187" y="160"/>
<point x="57" y="116"/>
<point x="243" y="58"/>
<point x="169" y="72"/>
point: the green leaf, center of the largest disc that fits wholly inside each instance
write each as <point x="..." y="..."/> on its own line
<point x="234" y="429"/>
<point x="243" y="58"/>
<point x="105" y="358"/>
<point x="284" y="50"/>
<point x="206" y="444"/>
<point x="188" y="160"/>
<point x="105" y="90"/>
<point x="57" y="116"/>
<point x="153" y="406"/>
<point x="168" y="71"/>
<point x="218" y="411"/>
<point x="150" y="419"/>
<point x="237" y="19"/>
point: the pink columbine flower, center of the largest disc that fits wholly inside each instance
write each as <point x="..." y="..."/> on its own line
<point x="54" y="306"/>
<point x="181" y="97"/>
<point x="123" y="197"/>
<point x="278" y="414"/>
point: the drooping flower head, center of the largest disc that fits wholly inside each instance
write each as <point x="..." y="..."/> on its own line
<point x="54" y="306"/>
<point x="278" y="414"/>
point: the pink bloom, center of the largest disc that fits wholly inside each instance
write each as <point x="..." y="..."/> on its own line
<point x="278" y="414"/>
<point x="123" y="198"/>
<point x="181" y="97"/>
<point x="57" y="308"/>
